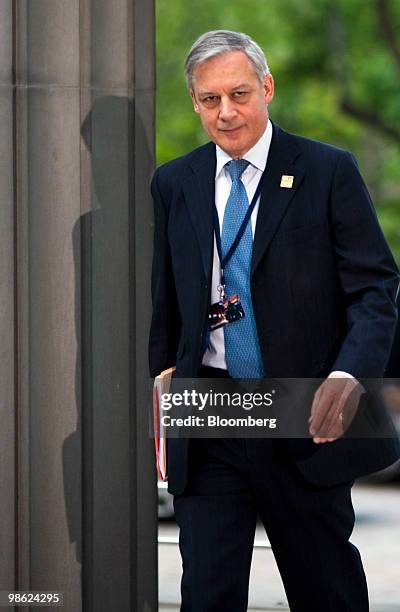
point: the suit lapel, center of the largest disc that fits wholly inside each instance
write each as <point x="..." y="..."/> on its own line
<point x="275" y="199"/>
<point x="198" y="186"/>
<point x="199" y="193"/>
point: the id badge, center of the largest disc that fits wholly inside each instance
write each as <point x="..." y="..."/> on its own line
<point x="224" y="312"/>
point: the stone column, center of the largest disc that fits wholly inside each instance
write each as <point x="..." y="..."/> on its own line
<point x="78" y="143"/>
<point x="8" y="406"/>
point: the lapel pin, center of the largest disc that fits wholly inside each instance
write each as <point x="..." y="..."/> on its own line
<point x="287" y="181"/>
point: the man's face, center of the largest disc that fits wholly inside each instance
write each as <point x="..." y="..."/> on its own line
<point x="231" y="101"/>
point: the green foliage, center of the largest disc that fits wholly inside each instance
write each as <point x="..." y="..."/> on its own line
<point x="321" y="52"/>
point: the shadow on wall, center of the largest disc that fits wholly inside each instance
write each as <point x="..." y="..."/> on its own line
<point x="97" y="456"/>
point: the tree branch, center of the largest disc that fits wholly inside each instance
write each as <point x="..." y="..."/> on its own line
<point x="387" y="29"/>
<point x="371" y="119"/>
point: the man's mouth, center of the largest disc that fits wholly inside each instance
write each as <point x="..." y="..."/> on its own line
<point x="235" y="129"/>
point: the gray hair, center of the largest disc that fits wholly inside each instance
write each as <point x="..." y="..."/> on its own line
<point x="218" y="42"/>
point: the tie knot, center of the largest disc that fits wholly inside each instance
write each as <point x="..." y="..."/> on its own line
<point x="236" y="167"/>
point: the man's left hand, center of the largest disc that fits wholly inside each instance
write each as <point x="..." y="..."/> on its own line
<point x="334" y="407"/>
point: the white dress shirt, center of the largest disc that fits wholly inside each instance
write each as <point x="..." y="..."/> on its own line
<point x="214" y="355"/>
<point x="257" y="156"/>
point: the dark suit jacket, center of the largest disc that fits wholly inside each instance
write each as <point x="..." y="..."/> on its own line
<point x="393" y="366"/>
<point x="323" y="284"/>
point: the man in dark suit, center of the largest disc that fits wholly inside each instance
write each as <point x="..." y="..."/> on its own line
<point x="318" y="286"/>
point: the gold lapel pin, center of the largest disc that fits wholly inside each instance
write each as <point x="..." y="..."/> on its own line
<point x="287" y="181"/>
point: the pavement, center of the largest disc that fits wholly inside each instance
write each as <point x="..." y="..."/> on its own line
<point x="376" y="535"/>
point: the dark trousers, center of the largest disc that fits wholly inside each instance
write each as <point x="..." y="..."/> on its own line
<point x="309" y="527"/>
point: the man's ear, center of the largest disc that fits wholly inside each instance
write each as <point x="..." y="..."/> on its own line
<point x="268" y="88"/>
<point x="195" y="105"/>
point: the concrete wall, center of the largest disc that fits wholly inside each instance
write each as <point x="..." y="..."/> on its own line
<point x="76" y="146"/>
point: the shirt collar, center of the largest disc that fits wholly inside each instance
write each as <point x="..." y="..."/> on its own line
<point x="257" y="155"/>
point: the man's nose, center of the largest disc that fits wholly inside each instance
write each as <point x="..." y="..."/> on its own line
<point x="227" y="110"/>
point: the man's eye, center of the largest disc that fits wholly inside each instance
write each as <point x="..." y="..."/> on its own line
<point x="210" y="99"/>
<point x="239" y="94"/>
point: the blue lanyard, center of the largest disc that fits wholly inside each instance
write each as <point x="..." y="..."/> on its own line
<point x="233" y="247"/>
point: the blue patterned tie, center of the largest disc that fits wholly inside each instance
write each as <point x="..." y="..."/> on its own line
<point x="242" y="349"/>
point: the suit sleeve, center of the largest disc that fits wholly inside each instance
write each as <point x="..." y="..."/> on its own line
<point x="166" y="323"/>
<point x="368" y="275"/>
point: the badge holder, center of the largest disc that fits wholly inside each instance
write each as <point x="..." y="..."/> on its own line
<point x="226" y="310"/>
